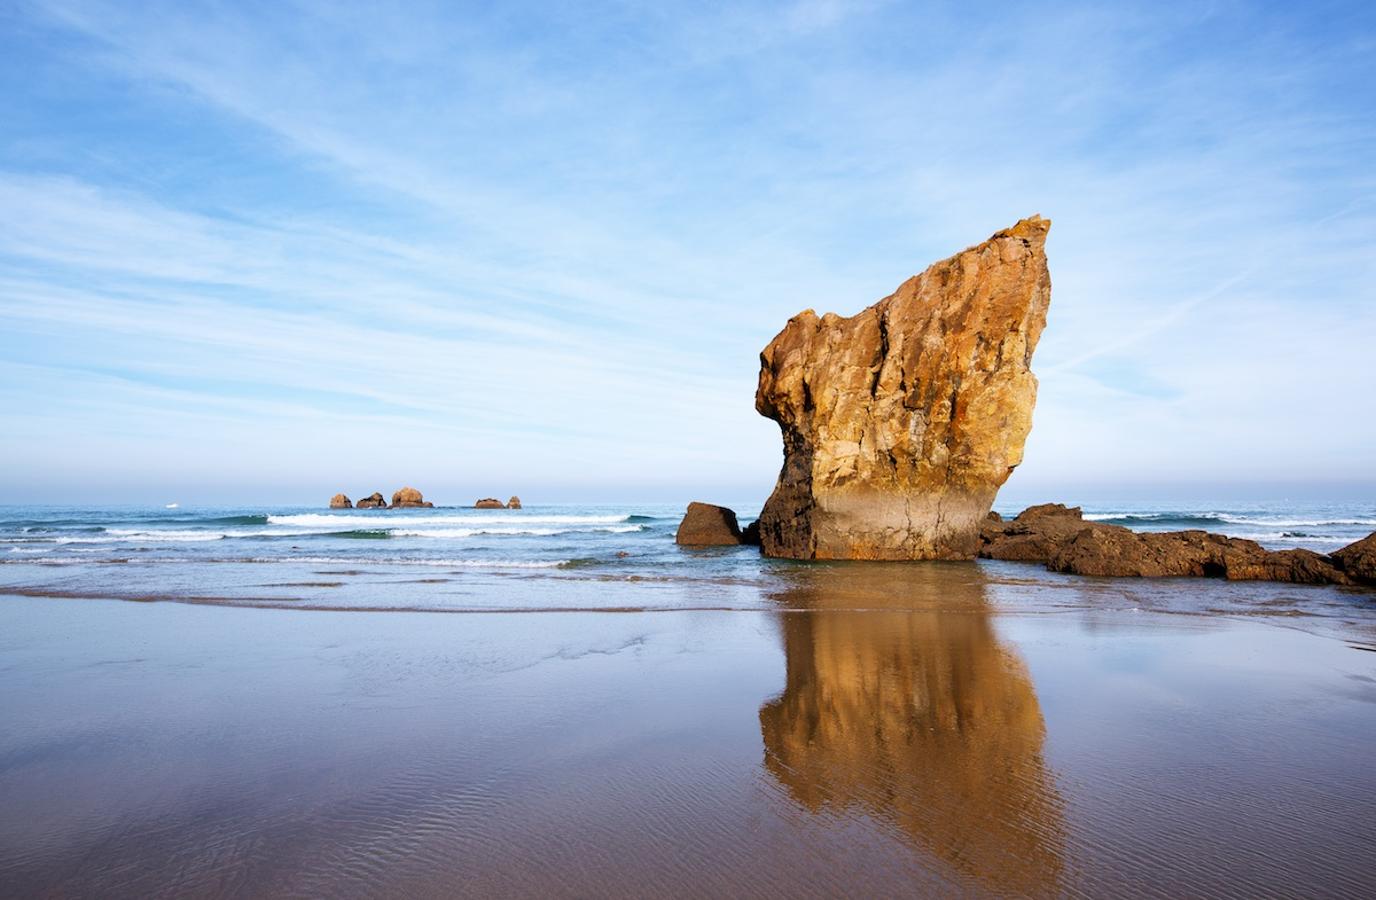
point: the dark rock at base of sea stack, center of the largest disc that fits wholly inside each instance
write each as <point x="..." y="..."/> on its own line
<point x="410" y="498"/>
<point x="705" y="525"/>
<point x="373" y="501"/>
<point x="513" y="503"/>
<point x="339" y="501"/>
<point x="901" y="422"/>
<point x="489" y="503"/>
<point x="750" y="534"/>
<point x="1059" y="537"/>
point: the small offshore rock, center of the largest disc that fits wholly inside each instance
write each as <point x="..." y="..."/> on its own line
<point x="410" y="498"/>
<point x="513" y="503"/>
<point x="373" y="501"/>
<point x="339" y="501"/>
<point x="489" y="503"/>
<point x="705" y="525"/>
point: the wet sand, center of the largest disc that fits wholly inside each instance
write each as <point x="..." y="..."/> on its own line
<point x="884" y="730"/>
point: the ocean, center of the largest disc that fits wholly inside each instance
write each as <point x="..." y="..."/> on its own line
<point x="307" y="554"/>
<point x="559" y="701"/>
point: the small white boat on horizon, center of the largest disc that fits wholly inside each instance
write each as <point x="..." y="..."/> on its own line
<point x="172" y="506"/>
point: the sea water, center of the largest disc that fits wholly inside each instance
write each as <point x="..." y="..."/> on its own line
<point x="309" y="553"/>
<point x="561" y="701"/>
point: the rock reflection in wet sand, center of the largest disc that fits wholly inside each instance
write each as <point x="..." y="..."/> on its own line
<point x="901" y="704"/>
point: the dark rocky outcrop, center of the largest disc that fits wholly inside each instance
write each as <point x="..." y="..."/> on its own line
<point x="489" y="503"/>
<point x="339" y="501"/>
<point x="706" y="525"/>
<point x="513" y="503"/>
<point x="1359" y="560"/>
<point x="751" y="534"/>
<point x="1060" y="537"/>
<point x="901" y="422"/>
<point x="373" y="501"/>
<point x="410" y="498"/>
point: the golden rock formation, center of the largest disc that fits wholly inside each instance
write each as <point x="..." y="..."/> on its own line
<point x="409" y="497"/>
<point x="901" y="422"/>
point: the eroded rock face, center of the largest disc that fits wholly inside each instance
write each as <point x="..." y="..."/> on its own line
<point x="339" y="501"/>
<point x="409" y="497"/>
<point x="1059" y="537"/>
<point x="373" y="501"/>
<point x="489" y="503"/>
<point x="706" y="525"/>
<point x="901" y="422"/>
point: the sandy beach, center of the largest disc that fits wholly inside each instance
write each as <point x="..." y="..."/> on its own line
<point x="938" y="729"/>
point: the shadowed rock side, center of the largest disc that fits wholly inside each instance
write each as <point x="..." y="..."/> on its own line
<point x="705" y="525"/>
<point x="373" y="501"/>
<point x="901" y="422"/>
<point x="919" y="718"/>
<point x="1059" y="537"/>
<point x="1358" y="560"/>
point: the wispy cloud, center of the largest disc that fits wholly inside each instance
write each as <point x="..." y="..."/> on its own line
<point x="530" y="242"/>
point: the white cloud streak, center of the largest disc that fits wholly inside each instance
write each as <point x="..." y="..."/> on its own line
<point x="519" y="230"/>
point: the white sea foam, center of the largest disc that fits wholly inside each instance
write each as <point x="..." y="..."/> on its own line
<point x="126" y="536"/>
<point x="346" y="521"/>
<point x="1226" y="519"/>
<point x="1294" y="523"/>
<point x="474" y="532"/>
<point x="402" y="561"/>
<point x="478" y="532"/>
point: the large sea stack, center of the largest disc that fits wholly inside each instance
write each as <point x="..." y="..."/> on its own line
<point x="901" y="422"/>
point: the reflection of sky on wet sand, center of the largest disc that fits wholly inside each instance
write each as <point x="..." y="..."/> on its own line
<point x="901" y="702"/>
<point x="865" y="730"/>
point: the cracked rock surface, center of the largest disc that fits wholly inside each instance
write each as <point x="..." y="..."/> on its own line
<point x="900" y="423"/>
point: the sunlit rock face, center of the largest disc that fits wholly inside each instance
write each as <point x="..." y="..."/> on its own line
<point x="919" y="717"/>
<point x="901" y="422"/>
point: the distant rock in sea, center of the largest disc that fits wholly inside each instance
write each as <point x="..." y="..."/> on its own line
<point x="901" y="422"/>
<point x="339" y="501"/>
<point x="705" y="525"/>
<point x="489" y="503"/>
<point x="373" y="501"/>
<point x="513" y="503"/>
<point x="409" y="498"/>
<point x="1060" y="537"/>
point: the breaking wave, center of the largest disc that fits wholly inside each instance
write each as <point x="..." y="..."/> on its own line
<point x="387" y="519"/>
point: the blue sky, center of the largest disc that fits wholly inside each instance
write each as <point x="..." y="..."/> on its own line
<point x="272" y="250"/>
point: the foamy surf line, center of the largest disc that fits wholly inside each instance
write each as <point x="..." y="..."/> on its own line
<point x="386" y="519"/>
<point x="399" y="561"/>
<point x="1223" y="518"/>
<point x="404" y="561"/>
<point x="384" y="531"/>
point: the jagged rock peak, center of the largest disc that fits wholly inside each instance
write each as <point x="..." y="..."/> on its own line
<point x="900" y="423"/>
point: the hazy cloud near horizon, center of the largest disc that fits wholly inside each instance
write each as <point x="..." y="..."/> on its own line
<point x="259" y="250"/>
